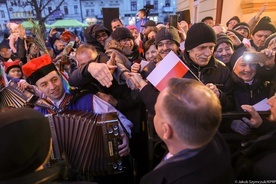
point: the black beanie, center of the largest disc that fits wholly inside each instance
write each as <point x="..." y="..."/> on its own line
<point x="121" y="33"/>
<point x="170" y="33"/>
<point x="199" y="33"/>
<point x="223" y="38"/>
<point x="24" y="142"/>
<point x="242" y="25"/>
<point x="233" y="18"/>
<point x="264" y="24"/>
<point x="269" y="39"/>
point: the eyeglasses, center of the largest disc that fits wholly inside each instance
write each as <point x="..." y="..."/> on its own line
<point x="103" y="35"/>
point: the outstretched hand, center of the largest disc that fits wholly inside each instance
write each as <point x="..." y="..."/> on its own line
<point x="101" y="72"/>
<point x="111" y="63"/>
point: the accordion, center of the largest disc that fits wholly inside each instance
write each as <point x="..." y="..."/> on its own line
<point x="88" y="140"/>
<point x="12" y="97"/>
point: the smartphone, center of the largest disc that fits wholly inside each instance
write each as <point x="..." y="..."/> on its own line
<point x="255" y="57"/>
<point x="173" y="20"/>
<point x="60" y="29"/>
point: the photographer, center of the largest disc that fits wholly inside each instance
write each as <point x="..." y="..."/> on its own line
<point x="54" y="42"/>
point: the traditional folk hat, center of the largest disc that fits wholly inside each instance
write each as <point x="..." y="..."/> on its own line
<point x="13" y="64"/>
<point x="38" y="68"/>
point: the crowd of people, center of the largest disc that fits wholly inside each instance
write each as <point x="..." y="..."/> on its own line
<point x="103" y="73"/>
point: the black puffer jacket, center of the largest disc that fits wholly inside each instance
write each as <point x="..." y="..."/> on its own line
<point x="90" y="36"/>
<point x="217" y="73"/>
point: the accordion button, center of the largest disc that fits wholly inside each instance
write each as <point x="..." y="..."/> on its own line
<point x="110" y="130"/>
<point x="116" y="132"/>
<point x="119" y="162"/>
<point x="120" y="167"/>
<point x="114" y="166"/>
<point x="115" y="127"/>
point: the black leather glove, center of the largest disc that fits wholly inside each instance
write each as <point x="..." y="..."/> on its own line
<point x="243" y="126"/>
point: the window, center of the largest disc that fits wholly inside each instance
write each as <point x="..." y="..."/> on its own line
<point x="155" y="3"/>
<point x="76" y="9"/>
<point x="65" y="10"/>
<point x="87" y="12"/>
<point x="133" y="6"/>
<point x="2" y="14"/>
<point x="168" y="3"/>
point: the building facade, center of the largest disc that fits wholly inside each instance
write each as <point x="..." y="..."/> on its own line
<point x="223" y="10"/>
<point x="82" y="10"/>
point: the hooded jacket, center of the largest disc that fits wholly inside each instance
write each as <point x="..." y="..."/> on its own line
<point x="90" y="36"/>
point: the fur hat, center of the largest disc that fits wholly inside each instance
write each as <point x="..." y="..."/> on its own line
<point x="223" y="38"/>
<point x="264" y="24"/>
<point x="24" y="142"/>
<point x="121" y="33"/>
<point x="167" y="34"/>
<point x="199" y="33"/>
<point x="38" y="68"/>
<point x="233" y="18"/>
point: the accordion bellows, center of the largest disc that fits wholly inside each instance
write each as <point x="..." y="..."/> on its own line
<point x="12" y="97"/>
<point x="89" y="141"/>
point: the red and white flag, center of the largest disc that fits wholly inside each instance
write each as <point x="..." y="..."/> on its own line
<point x="171" y="66"/>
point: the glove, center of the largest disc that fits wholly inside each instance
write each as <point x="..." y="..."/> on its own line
<point x="243" y="126"/>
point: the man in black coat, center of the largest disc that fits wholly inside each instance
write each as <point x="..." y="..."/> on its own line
<point x="187" y="118"/>
<point x="198" y="56"/>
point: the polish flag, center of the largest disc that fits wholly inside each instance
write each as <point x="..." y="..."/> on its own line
<point x="170" y="67"/>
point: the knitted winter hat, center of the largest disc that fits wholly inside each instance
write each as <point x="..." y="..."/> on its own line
<point x="267" y="41"/>
<point x="167" y="34"/>
<point x="131" y="27"/>
<point x="223" y="38"/>
<point x="242" y="25"/>
<point x="149" y="23"/>
<point x="233" y="18"/>
<point x="207" y="18"/>
<point x="199" y="33"/>
<point x="264" y="24"/>
<point x="121" y="33"/>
